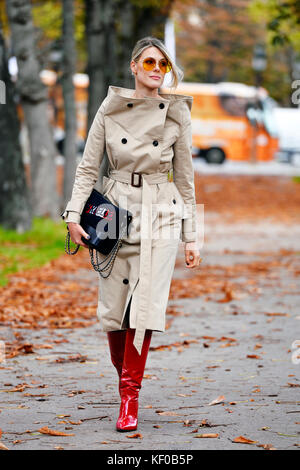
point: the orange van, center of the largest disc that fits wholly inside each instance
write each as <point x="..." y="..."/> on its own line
<point x="231" y="121"/>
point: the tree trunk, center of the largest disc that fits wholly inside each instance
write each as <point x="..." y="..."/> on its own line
<point x="100" y="33"/>
<point x="113" y="27"/>
<point x="69" y="67"/>
<point x="125" y="29"/>
<point x="15" y="210"/>
<point x="133" y="22"/>
<point x="34" y="99"/>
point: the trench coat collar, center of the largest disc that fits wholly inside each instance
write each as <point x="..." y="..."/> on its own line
<point x="168" y="98"/>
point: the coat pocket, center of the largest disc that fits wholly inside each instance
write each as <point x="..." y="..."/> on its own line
<point x="176" y="196"/>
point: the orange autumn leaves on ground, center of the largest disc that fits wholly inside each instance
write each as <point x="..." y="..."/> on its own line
<point x="53" y="296"/>
<point x="225" y="283"/>
<point x="63" y="293"/>
<point x="254" y="197"/>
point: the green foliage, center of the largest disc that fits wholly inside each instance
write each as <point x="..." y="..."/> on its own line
<point x="282" y="20"/>
<point x="48" y="18"/>
<point x="155" y="4"/>
<point x="34" y="248"/>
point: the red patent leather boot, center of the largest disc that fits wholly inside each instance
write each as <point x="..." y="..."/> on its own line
<point x="131" y="381"/>
<point x="116" y="341"/>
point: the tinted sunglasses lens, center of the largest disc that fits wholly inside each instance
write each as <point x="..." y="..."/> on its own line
<point x="164" y="66"/>
<point x="149" y="64"/>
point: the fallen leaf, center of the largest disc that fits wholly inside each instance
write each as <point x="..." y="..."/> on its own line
<point x="28" y="348"/>
<point x="19" y="388"/>
<point x="76" y="358"/>
<point x="135" y="436"/>
<point x="218" y="400"/>
<point x="3" y="447"/>
<point x="266" y="446"/>
<point x="229" y="295"/>
<point x="207" y="435"/>
<point x="187" y="422"/>
<point x="167" y="413"/>
<point x="243" y="440"/>
<point x="150" y="376"/>
<point x="276" y="314"/>
<point x="52" y="432"/>
<point x="253" y="356"/>
<point x="204" y="422"/>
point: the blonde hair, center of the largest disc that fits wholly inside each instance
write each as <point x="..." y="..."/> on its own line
<point x="144" y="43"/>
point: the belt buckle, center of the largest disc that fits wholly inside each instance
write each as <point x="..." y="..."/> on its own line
<point x="132" y="179"/>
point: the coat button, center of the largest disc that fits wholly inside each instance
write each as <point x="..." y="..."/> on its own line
<point x="124" y="141"/>
<point x="130" y="105"/>
<point x="125" y="281"/>
<point x="155" y="143"/>
<point x="161" y="105"/>
<point x="174" y="201"/>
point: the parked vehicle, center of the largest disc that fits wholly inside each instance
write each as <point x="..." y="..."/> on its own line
<point x="288" y="124"/>
<point x="231" y="121"/>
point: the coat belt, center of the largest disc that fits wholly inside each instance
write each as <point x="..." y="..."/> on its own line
<point x="143" y="180"/>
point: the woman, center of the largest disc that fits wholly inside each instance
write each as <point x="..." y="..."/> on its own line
<point x="146" y="136"/>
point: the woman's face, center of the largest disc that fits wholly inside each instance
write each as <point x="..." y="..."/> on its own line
<point x="153" y="78"/>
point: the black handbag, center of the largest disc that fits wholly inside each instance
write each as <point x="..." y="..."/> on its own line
<point x="106" y="224"/>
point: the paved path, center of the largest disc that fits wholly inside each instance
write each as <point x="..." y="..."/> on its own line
<point x="246" y="168"/>
<point x="241" y="350"/>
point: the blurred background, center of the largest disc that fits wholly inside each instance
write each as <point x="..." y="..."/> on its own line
<point x="241" y="60"/>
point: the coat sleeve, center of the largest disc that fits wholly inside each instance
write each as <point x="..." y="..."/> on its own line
<point x="87" y="171"/>
<point x="183" y="173"/>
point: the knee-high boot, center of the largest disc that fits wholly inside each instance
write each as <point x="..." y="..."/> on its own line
<point x="131" y="381"/>
<point x="116" y="341"/>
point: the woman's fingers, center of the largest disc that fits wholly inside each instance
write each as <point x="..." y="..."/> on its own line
<point x="76" y="232"/>
<point x="85" y="235"/>
<point x="192" y="258"/>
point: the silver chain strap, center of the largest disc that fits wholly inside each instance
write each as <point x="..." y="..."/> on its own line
<point x="110" y="258"/>
<point x="67" y="245"/>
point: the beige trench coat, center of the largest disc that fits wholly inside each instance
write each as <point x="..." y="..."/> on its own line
<point x="151" y="136"/>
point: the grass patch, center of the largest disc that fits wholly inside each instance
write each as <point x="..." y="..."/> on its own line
<point x="45" y="241"/>
<point x="296" y="179"/>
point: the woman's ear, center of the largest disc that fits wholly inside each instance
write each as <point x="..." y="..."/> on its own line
<point x="133" y="67"/>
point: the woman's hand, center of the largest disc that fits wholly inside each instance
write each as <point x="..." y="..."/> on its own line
<point x="192" y="255"/>
<point x="76" y="231"/>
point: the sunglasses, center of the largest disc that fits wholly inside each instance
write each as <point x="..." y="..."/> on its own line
<point x="149" y="64"/>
